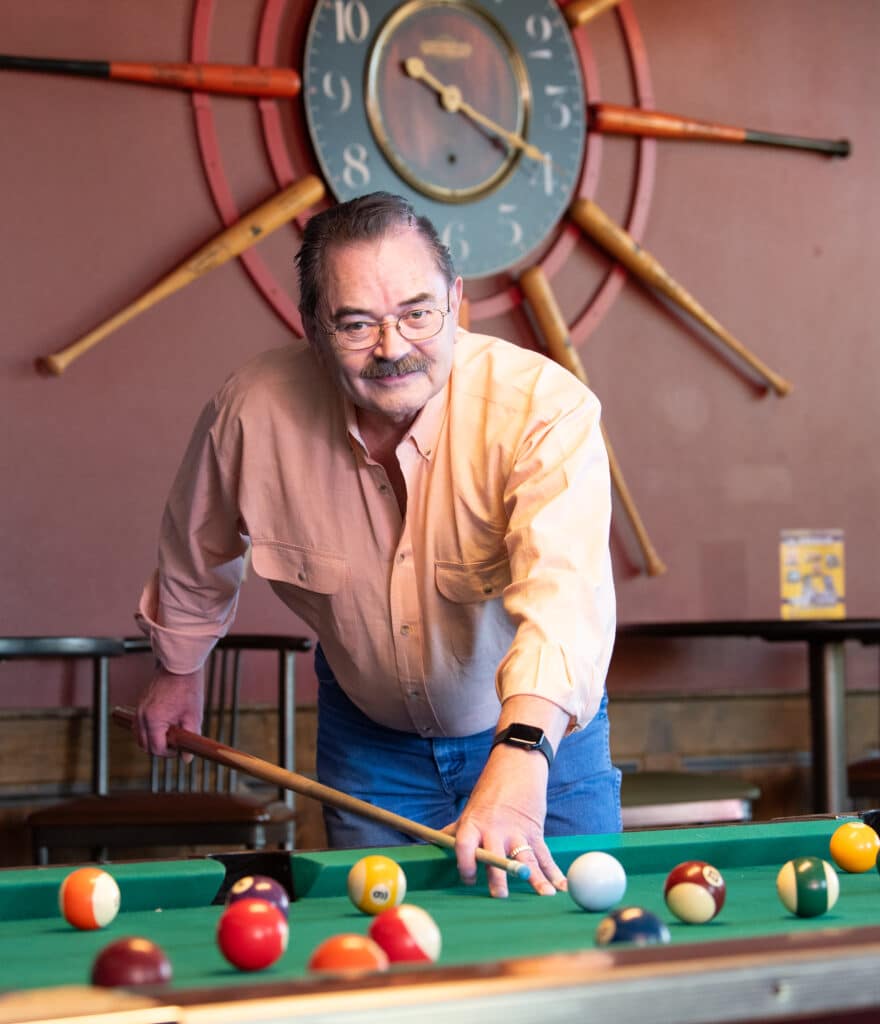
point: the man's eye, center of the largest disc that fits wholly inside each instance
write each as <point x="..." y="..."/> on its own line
<point x="415" y="315"/>
<point x="355" y="327"/>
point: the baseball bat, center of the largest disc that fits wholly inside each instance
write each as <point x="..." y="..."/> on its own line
<point x="231" y="79"/>
<point x="246" y="232"/>
<point x="614" y="119"/>
<point x="579" y="12"/>
<point x="594" y="222"/>
<point x="554" y="330"/>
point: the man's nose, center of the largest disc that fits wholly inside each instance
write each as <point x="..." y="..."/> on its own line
<point x="391" y="344"/>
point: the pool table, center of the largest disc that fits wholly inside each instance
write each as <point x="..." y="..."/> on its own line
<point x="527" y="958"/>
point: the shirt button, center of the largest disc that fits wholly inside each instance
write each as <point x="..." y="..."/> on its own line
<point x="488" y="588"/>
<point x="383" y="488"/>
<point x="404" y="630"/>
<point x="401" y="558"/>
<point x="301" y="576"/>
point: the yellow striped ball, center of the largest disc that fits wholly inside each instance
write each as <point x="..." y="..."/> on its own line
<point x="375" y="883"/>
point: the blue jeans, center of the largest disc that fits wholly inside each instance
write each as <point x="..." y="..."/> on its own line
<point x="430" y="780"/>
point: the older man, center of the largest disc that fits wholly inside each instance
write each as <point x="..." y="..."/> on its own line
<point x="435" y="504"/>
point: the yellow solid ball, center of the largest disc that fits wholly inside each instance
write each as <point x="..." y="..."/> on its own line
<point x="375" y="883"/>
<point x="854" y="847"/>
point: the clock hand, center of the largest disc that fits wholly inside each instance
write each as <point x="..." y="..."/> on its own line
<point x="452" y="100"/>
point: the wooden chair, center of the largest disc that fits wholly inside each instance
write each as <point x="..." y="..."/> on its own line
<point x="198" y="804"/>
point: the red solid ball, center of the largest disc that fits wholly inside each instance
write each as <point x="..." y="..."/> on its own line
<point x="407" y="933"/>
<point x="252" y="934"/>
<point x="695" y="891"/>
<point x="129" y="962"/>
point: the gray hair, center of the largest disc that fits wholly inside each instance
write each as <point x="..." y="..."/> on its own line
<point x="358" y="220"/>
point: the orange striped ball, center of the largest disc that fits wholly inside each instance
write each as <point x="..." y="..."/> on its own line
<point x="88" y="898"/>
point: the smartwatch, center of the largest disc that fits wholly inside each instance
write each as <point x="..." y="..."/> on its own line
<point x="528" y="737"/>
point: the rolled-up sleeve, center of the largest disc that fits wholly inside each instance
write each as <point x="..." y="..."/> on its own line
<point x="191" y="599"/>
<point x="561" y="595"/>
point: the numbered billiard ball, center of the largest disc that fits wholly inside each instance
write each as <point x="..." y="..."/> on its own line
<point x="129" y="962"/>
<point x="596" y="880"/>
<point x="694" y="891"/>
<point x="854" y="847"/>
<point x="252" y="934"/>
<point x="348" y="954"/>
<point x="407" y="934"/>
<point x="375" y="883"/>
<point x="807" y="886"/>
<point x="632" y="924"/>
<point x="89" y="898"/>
<point x="259" y="887"/>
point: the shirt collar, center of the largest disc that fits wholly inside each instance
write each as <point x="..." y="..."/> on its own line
<point x="425" y="429"/>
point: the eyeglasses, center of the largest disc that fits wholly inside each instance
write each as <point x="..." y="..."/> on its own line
<point x="416" y="325"/>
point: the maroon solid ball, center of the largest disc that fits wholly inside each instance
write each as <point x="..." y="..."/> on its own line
<point x="694" y="891"/>
<point x="129" y="962"/>
<point x="259" y="887"/>
<point x="252" y="934"/>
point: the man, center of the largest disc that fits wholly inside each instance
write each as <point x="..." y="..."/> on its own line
<point x="435" y="505"/>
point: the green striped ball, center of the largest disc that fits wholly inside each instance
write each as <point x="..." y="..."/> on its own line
<point x="807" y="886"/>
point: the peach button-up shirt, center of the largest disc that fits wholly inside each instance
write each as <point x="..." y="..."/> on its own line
<point x="499" y="572"/>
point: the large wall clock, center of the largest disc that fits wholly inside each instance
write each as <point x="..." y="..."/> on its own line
<point x="475" y="111"/>
<point x="486" y="114"/>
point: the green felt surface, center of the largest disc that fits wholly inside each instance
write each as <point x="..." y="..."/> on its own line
<point x="170" y="903"/>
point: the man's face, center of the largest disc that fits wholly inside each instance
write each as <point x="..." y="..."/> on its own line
<point x="379" y="281"/>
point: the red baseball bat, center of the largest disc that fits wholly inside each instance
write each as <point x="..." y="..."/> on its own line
<point x="232" y="79"/>
<point x="613" y="119"/>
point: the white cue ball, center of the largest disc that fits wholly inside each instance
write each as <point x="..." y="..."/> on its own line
<point x="596" y="880"/>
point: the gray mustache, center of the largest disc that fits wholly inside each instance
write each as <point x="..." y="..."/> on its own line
<point x="408" y="364"/>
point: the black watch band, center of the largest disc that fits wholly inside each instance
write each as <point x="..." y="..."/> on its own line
<point x="527" y="737"/>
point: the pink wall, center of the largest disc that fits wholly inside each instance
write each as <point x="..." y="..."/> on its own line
<point x="102" y="191"/>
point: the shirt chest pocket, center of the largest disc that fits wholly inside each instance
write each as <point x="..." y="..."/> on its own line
<point x="474" y="624"/>
<point x="469" y="582"/>
<point x="314" y="584"/>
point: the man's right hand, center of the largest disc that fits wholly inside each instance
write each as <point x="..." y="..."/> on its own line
<point x="169" y="700"/>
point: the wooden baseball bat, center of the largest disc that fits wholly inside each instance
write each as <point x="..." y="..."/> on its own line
<point x="246" y="232"/>
<point x="204" y="746"/>
<point x="624" y="248"/>
<point x="614" y="119"/>
<point x="579" y="12"/>
<point x="554" y="329"/>
<point x="231" y="79"/>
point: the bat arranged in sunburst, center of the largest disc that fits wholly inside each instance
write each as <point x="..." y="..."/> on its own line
<point x="299" y="196"/>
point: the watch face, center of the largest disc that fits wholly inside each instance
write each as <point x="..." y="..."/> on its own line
<point x="528" y="735"/>
<point x="473" y="110"/>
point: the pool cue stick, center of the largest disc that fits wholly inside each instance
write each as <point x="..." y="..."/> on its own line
<point x="614" y="119"/>
<point x="581" y="11"/>
<point x="246" y="232"/>
<point x="595" y="223"/>
<point x="228" y="79"/>
<point x="204" y="746"/>
<point x="554" y="329"/>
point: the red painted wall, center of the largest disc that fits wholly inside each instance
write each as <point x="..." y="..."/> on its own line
<point x="102" y="191"/>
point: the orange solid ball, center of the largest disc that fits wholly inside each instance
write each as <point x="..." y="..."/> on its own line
<point x="854" y="847"/>
<point x="89" y="898"/>
<point x="348" y="954"/>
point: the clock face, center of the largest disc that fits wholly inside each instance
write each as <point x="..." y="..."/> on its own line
<point x="472" y="110"/>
